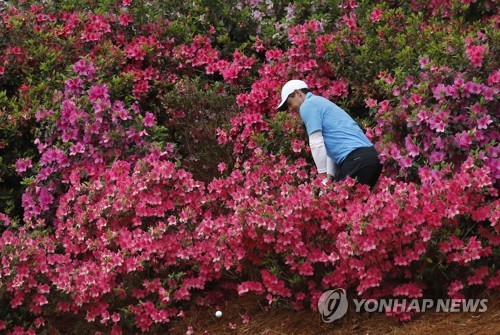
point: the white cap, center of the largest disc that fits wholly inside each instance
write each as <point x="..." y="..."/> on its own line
<point x="289" y="88"/>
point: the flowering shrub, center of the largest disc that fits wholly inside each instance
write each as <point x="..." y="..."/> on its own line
<point x="145" y="167"/>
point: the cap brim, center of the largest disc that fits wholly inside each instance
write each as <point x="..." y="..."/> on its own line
<point x="282" y="106"/>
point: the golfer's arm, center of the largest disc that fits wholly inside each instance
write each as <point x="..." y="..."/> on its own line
<point x="318" y="151"/>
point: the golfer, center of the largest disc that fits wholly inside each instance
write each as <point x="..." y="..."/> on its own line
<point x="338" y="145"/>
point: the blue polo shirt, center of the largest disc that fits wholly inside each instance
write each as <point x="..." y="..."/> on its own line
<point x="340" y="132"/>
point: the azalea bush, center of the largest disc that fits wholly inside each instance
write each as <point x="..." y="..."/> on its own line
<point x="145" y="167"/>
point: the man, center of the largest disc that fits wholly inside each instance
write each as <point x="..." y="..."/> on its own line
<point x="333" y="134"/>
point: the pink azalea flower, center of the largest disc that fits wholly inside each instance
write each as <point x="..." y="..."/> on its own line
<point x="45" y="198"/>
<point x="22" y="165"/>
<point x="84" y="68"/>
<point x="411" y="148"/>
<point x="476" y="54"/>
<point x="454" y="289"/>
<point x="406" y="162"/>
<point x="221" y="167"/>
<point x="478" y="277"/>
<point x="376" y="15"/>
<point x="39" y="322"/>
<point x="370" y="102"/>
<point x="98" y="92"/>
<point x="125" y="19"/>
<point x="416" y="99"/>
<point x="5" y="219"/>
<point x="494" y="78"/>
<point x="424" y="61"/>
<point x="149" y="120"/>
<point x="483" y="122"/>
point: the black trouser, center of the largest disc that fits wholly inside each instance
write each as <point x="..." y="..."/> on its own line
<point x="363" y="165"/>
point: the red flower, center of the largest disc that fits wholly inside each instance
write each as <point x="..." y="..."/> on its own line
<point x="376" y="15"/>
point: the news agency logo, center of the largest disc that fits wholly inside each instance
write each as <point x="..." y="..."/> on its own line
<point x="333" y="304"/>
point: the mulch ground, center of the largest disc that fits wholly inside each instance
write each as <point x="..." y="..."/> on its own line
<point x="287" y="322"/>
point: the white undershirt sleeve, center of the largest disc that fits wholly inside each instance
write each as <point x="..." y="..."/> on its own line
<point x="331" y="167"/>
<point x="318" y="151"/>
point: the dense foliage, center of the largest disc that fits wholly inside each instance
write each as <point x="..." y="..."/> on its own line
<point x="144" y="166"/>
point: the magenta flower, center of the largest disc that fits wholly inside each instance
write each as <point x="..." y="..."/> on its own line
<point x="39" y="322"/>
<point x="376" y="15"/>
<point x="74" y="85"/>
<point x="125" y="19"/>
<point x="406" y="162"/>
<point x="478" y="277"/>
<point x="454" y="289"/>
<point x="422" y="116"/>
<point x="98" y="92"/>
<point x="23" y="164"/>
<point x="408" y="290"/>
<point x="483" y="122"/>
<point x="45" y="198"/>
<point x="5" y="219"/>
<point x="297" y="145"/>
<point x="221" y="167"/>
<point x="436" y="156"/>
<point x="463" y="139"/>
<point x="476" y="54"/>
<point x="84" y="68"/>
<point x="411" y="148"/>
<point x="369" y="102"/>
<point x="494" y="78"/>
<point x="424" y="61"/>
<point x="416" y="99"/>
<point x="149" y="120"/>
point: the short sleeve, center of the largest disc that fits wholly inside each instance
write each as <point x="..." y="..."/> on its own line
<point x="311" y="118"/>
